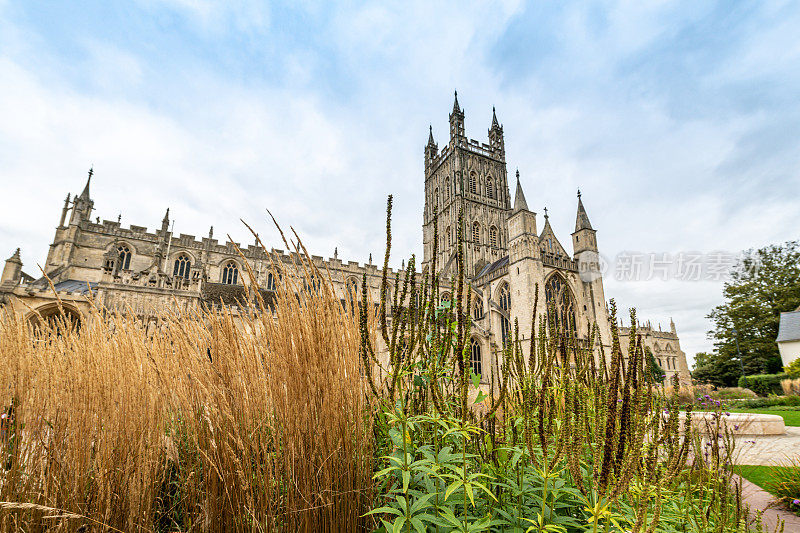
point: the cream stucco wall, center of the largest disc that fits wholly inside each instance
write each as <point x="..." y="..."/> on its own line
<point x="790" y="351"/>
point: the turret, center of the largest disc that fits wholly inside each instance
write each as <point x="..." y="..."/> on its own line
<point x="64" y="212"/>
<point x="431" y="149"/>
<point x="83" y="205"/>
<point x="584" y="236"/>
<point x="165" y="224"/>
<point x="524" y="264"/>
<point x="12" y="272"/>
<point x="496" y="141"/>
<point x="522" y="236"/>
<point x="456" y="120"/>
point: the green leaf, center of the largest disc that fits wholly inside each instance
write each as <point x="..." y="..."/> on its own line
<point x="476" y="379"/>
<point x="397" y="527"/>
<point x="470" y="494"/>
<point x="406" y="480"/>
<point x="453" y="486"/>
<point x="418" y="525"/>
<point x="388" y="510"/>
<point x="421" y="503"/>
<point x="480" y="397"/>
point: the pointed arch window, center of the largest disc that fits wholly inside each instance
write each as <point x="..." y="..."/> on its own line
<point x="560" y="303"/>
<point x="230" y="274"/>
<point x="124" y="257"/>
<point x="473" y="183"/>
<point x="447" y="187"/>
<point x="505" y="304"/>
<point x="183" y="264"/>
<point x="477" y="309"/>
<point x="476" y="233"/>
<point x="449" y="237"/>
<point x="476" y="362"/>
<point x="351" y="290"/>
<point x="490" y="188"/>
<point x="271" y="285"/>
<point x="493" y="236"/>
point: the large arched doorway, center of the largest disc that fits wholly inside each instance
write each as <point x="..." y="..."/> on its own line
<point x="51" y="317"/>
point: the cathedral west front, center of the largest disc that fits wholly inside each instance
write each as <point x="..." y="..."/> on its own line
<point x="507" y="258"/>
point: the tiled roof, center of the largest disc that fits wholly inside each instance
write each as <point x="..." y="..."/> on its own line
<point x="216" y="293"/>
<point x="75" y="286"/>
<point x="789" y="328"/>
<point x="491" y="267"/>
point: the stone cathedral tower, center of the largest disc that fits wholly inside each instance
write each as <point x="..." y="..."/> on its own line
<point x="472" y="176"/>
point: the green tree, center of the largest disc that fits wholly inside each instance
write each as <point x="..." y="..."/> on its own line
<point x="764" y="283"/>
<point x="720" y="371"/>
<point x="701" y="359"/>
<point x="656" y="372"/>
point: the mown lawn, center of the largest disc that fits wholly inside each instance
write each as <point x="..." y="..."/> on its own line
<point x="790" y="418"/>
<point x="761" y="475"/>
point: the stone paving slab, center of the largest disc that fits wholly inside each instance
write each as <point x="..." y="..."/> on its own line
<point x="761" y="499"/>
<point x="768" y="449"/>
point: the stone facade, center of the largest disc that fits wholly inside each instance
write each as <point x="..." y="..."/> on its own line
<point x="666" y="348"/>
<point x="508" y="261"/>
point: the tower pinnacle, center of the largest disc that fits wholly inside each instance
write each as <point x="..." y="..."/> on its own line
<point x="85" y="193"/>
<point x="456" y="108"/>
<point x="519" y="197"/>
<point x="582" y="219"/>
<point x="495" y="124"/>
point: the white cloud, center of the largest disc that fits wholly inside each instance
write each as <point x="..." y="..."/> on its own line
<point x="324" y="148"/>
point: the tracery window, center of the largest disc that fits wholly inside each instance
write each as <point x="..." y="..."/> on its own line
<point x="490" y="188"/>
<point x="475" y="357"/>
<point x="230" y="274"/>
<point x="445" y="297"/>
<point x="449" y="237"/>
<point x="270" y="281"/>
<point x="493" y="236"/>
<point x="124" y="257"/>
<point x="505" y="305"/>
<point x="182" y="266"/>
<point x="436" y="199"/>
<point x="388" y="295"/>
<point x="447" y="187"/>
<point x="560" y="303"/>
<point x="476" y="233"/>
<point x="477" y="309"/>
<point x="473" y="183"/>
<point x="351" y="291"/>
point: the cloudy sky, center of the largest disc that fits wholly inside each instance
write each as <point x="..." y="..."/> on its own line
<point x="679" y="121"/>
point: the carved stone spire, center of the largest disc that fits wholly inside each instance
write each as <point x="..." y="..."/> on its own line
<point x="519" y="197"/>
<point x="85" y="194"/>
<point x="582" y="219"/>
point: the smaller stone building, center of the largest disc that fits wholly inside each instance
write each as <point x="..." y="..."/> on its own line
<point x="666" y="348"/>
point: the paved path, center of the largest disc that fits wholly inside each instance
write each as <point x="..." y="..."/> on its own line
<point x="760" y="499"/>
<point x="768" y="450"/>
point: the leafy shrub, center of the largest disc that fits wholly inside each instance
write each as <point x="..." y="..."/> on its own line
<point x="569" y="439"/>
<point x="793" y="370"/>
<point x="733" y="393"/>
<point x="785" y="483"/>
<point x="760" y="403"/>
<point x="791" y="387"/>
<point x="763" y="384"/>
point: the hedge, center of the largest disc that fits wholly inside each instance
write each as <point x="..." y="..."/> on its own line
<point x="764" y="384"/>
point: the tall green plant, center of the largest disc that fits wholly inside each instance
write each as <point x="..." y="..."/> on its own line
<point x="576" y="434"/>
